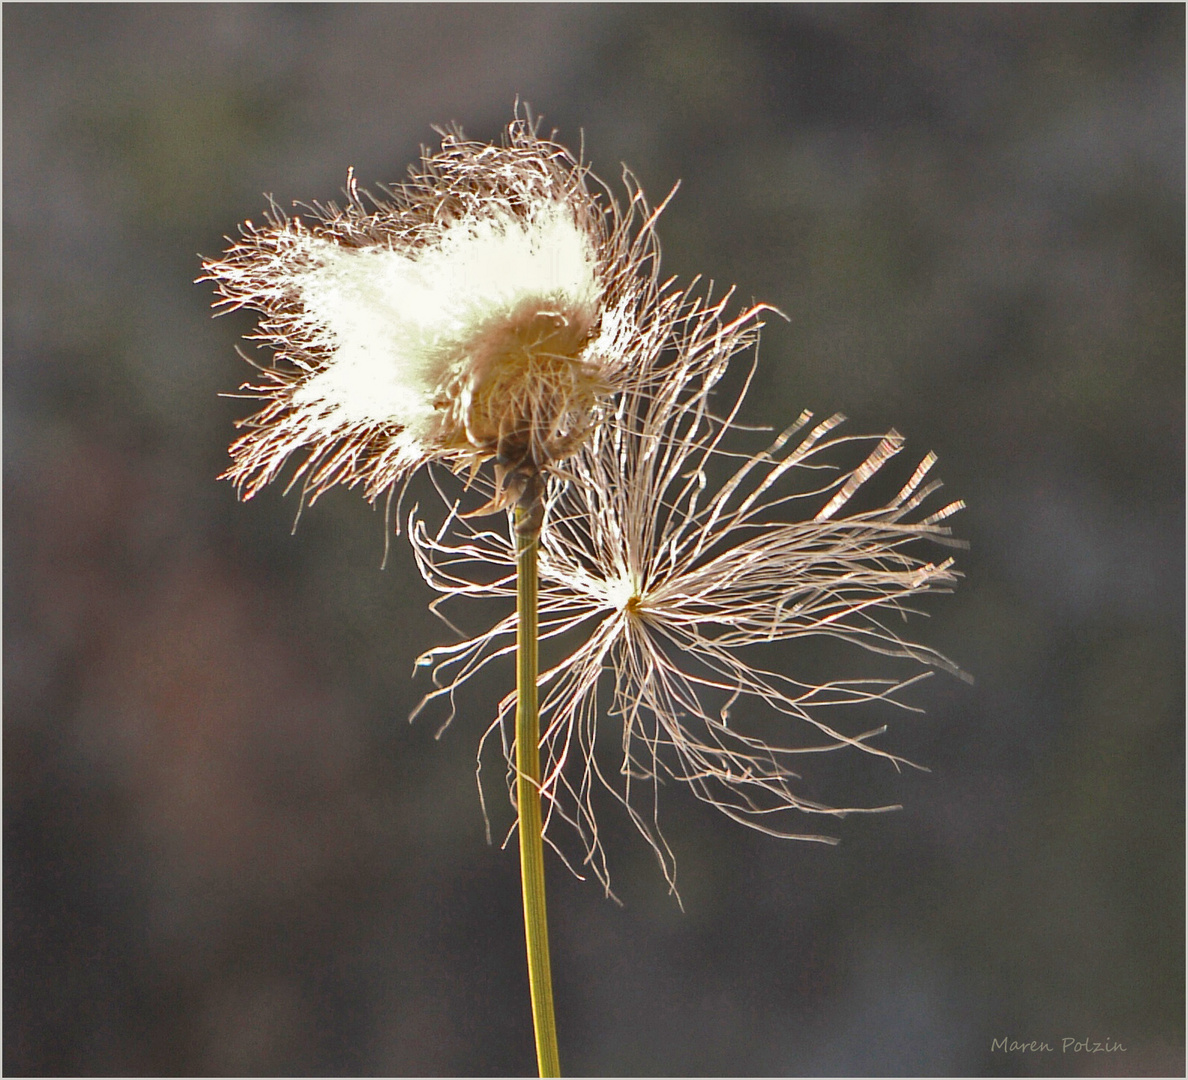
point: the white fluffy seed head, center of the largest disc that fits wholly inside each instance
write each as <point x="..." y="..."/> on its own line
<point x="399" y="325"/>
<point x="489" y="308"/>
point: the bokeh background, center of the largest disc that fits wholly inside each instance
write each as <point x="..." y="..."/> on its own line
<point x="225" y="849"/>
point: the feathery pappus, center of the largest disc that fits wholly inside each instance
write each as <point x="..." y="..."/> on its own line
<point x="501" y="308"/>
<point x="485" y="310"/>
<point x="666" y="578"/>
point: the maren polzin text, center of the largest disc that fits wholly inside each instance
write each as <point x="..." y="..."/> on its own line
<point x="1068" y="1045"/>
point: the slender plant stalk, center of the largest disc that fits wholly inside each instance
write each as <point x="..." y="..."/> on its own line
<point x="532" y="881"/>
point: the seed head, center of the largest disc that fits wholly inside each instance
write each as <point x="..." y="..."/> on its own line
<point x="667" y="563"/>
<point x="486" y="309"/>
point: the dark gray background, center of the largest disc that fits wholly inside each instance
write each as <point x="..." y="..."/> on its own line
<point x="225" y="849"/>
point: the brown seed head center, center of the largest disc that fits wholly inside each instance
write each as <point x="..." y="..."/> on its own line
<point x="521" y="388"/>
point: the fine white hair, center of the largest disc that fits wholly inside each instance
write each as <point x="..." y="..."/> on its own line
<point x="395" y="321"/>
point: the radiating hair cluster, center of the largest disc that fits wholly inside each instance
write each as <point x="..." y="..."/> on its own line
<point x="668" y="559"/>
<point x="501" y="307"/>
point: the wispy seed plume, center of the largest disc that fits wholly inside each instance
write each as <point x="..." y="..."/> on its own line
<point x="668" y="560"/>
<point x="485" y="310"/>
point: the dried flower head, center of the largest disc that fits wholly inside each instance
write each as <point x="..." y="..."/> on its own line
<point x="500" y="306"/>
<point x="486" y="309"/>
<point x="668" y="560"/>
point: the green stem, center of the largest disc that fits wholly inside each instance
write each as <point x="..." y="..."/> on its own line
<point x="536" y="928"/>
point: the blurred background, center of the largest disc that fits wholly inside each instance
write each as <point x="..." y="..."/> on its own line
<point x="226" y="851"/>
